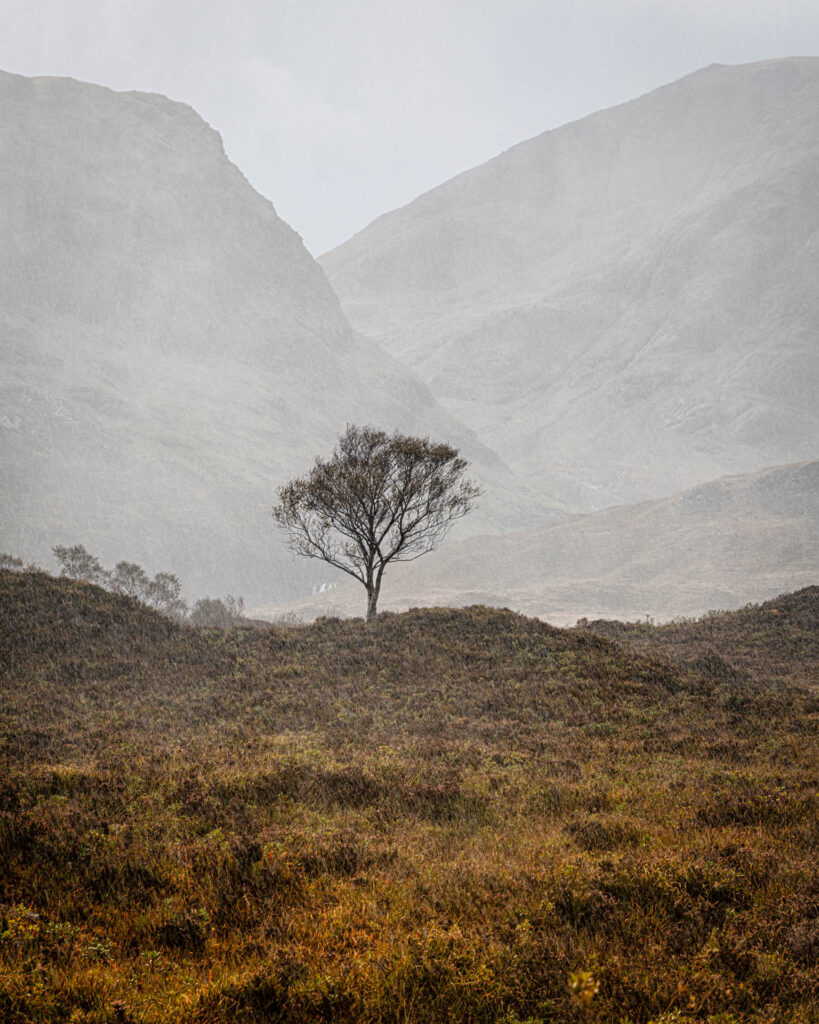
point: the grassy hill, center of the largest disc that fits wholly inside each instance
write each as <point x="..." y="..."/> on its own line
<point x="777" y="641"/>
<point x="444" y="815"/>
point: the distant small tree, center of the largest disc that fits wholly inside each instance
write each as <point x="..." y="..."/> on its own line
<point x="379" y="499"/>
<point x="164" y="592"/>
<point x="236" y="607"/>
<point x="10" y="562"/>
<point x="79" y="564"/>
<point x="211" y="611"/>
<point x="130" y="579"/>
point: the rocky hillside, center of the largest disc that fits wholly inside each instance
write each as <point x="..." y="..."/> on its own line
<point x="625" y="306"/>
<point x="171" y="353"/>
<point x="719" y="545"/>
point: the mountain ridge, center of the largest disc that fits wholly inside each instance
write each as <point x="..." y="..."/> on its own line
<point x="171" y="351"/>
<point x="636" y="281"/>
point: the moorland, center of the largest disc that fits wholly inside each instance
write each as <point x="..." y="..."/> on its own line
<point x="463" y="815"/>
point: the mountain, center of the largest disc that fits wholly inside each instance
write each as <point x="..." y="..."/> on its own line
<point x="718" y="545"/>
<point x="171" y="353"/>
<point x="627" y="305"/>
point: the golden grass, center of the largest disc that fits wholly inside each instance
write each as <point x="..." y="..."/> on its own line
<point x="444" y="815"/>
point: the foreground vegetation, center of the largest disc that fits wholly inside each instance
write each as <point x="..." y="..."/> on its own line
<point x="443" y="815"/>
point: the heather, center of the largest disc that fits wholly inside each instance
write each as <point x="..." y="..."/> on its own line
<point x="461" y="815"/>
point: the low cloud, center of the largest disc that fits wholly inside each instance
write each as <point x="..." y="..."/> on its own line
<point x="295" y="111"/>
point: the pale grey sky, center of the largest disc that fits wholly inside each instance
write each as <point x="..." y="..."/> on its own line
<point x="339" y="110"/>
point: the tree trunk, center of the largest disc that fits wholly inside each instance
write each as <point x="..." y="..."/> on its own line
<point x="372" y="600"/>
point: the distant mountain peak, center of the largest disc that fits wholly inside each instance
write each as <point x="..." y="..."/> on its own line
<point x="626" y="305"/>
<point x="171" y="352"/>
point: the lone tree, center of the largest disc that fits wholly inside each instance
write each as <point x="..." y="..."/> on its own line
<point x="378" y="499"/>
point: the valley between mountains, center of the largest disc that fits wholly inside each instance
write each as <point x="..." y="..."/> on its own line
<point x="612" y="313"/>
<point x="457" y="810"/>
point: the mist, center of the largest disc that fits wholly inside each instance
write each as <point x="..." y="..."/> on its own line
<point x="409" y="522"/>
<point x="616" y="307"/>
<point x="339" y="112"/>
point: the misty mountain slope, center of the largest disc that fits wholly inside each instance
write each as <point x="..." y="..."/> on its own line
<point x="171" y="353"/>
<point x="626" y="305"/>
<point x="718" y="545"/>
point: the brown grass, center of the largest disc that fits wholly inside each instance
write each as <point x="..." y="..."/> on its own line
<point x="445" y="815"/>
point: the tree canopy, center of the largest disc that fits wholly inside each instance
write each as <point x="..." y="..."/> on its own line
<point x="378" y="499"/>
